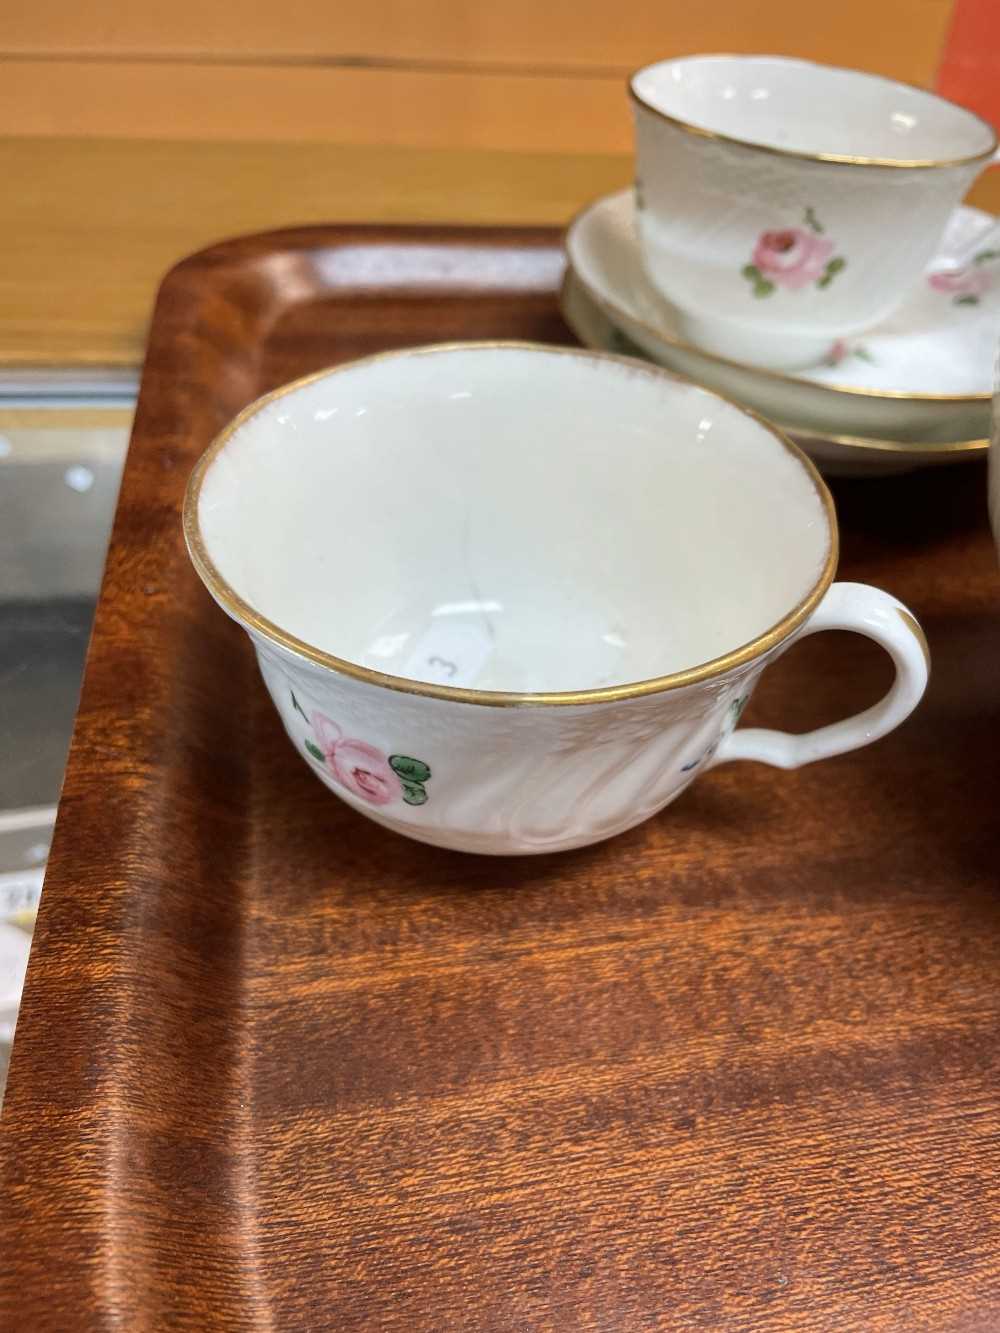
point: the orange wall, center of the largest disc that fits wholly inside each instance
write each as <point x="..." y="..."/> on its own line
<point x="970" y="64"/>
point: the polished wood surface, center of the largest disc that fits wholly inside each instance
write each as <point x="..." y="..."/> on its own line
<point x="277" y="1069"/>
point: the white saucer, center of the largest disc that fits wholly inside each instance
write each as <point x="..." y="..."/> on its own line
<point x="924" y="375"/>
<point x="834" y="454"/>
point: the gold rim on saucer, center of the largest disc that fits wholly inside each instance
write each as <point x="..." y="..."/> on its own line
<point x="673" y="340"/>
<point x="242" y="611"/>
<point x="831" y="159"/>
<point x="925" y="450"/>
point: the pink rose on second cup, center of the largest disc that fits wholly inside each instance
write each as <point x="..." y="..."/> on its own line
<point x="356" y="765"/>
<point x="960" y="281"/>
<point x="793" y="257"/>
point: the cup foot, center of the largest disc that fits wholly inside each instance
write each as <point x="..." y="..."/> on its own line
<point x="755" y="346"/>
<point x="499" y="842"/>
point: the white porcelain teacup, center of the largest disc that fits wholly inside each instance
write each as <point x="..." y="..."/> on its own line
<point x="513" y="598"/>
<point x="784" y="204"/>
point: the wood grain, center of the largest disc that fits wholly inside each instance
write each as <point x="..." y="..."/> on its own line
<point x="903" y="38"/>
<point x="452" y="109"/>
<point x="279" y="1070"/>
<point x="430" y="73"/>
<point x="32" y="420"/>
<point x="87" y="243"/>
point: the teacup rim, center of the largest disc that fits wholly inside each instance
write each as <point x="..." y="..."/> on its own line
<point x="247" y="615"/>
<point x="829" y="159"/>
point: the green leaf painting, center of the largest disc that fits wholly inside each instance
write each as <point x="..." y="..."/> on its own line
<point x="413" y="770"/>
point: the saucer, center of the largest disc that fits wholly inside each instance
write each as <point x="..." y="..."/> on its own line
<point x="834" y="454"/>
<point x="874" y="386"/>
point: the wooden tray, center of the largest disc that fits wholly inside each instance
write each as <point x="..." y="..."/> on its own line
<point x="280" y="1070"/>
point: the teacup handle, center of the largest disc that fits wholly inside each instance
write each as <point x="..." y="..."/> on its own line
<point x="984" y="239"/>
<point x="852" y="606"/>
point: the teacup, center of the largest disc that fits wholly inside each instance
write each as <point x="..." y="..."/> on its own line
<point x="514" y="598"/>
<point x="784" y="205"/>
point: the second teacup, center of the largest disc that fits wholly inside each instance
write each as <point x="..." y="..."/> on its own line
<point x="784" y="204"/>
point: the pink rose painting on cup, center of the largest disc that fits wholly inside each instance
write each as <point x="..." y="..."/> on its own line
<point x="363" y="769"/>
<point x="966" y="285"/>
<point x="793" y="258"/>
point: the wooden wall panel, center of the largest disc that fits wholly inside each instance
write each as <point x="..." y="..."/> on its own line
<point x="97" y="222"/>
<point x="453" y="73"/>
<point x="404" y="108"/>
<point x="901" y="37"/>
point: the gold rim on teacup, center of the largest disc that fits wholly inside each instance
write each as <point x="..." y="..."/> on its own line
<point x="830" y="159"/>
<point x="241" y="610"/>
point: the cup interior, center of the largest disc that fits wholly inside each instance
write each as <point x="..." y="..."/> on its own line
<point x="799" y="107"/>
<point x="509" y="518"/>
